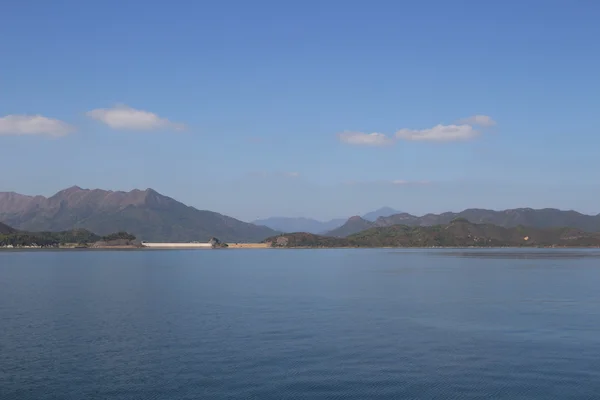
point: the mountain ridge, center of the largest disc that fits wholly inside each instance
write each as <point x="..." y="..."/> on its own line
<point x="538" y="218"/>
<point x="380" y="212"/>
<point x="147" y="214"/>
<point x="311" y="225"/>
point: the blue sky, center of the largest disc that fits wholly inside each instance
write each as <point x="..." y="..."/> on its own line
<point x="313" y="108"/>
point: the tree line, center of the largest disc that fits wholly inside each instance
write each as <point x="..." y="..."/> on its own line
<point x="55" y="239"/>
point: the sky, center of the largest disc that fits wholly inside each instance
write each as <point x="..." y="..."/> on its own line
<point x="320" y="109"/>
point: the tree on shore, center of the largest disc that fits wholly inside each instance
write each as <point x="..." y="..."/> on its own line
<point x="119" y="236"/>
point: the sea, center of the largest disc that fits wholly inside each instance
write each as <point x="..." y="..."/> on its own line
<point x="300" y="324"/>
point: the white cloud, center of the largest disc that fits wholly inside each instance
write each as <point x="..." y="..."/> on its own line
<point x="33" y="125"/>
<point x="292" y="174"/>
<point x="365" y="139"/>
<point x="127" y="118"/>
<point x="440" y="133"/>
<point x="481" y="120"/>
<point x="464" y="129"/>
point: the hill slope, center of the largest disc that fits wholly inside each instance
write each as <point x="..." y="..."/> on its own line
<point x="543" y="218"/>
<point x="6" y="230"/>
<point x="458" y="233"/>
<point x="353" y="225"/>
<point x="147" y="214"/>
<point x="382" y="212"/>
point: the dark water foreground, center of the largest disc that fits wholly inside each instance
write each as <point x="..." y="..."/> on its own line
<point x="300" y="324"/>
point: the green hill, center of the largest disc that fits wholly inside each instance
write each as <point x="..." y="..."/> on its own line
<point x="80" y="237"/>
<point x="458" y="233"/>
<point x="541" y="218"/>
<point x="47" y="239"/>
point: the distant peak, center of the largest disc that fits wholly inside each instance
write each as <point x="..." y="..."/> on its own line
<point x="380" y="212"/>
<point x="151" y="193"/>
<point x="71" y="190"/>
<point x="355" y="218"/>
<point x="152" y="197"/>
<point x="386" y="209"/>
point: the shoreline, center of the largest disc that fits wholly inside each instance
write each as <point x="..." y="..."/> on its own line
<point x="255" y="246"/>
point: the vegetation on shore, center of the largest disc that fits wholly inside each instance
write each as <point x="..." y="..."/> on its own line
<point x="458" y="233"/>
<point x="10" y="237"/>
<point x="217" y="244"/>
<point x="303" y="239"/>
<point x="118" y="236"/>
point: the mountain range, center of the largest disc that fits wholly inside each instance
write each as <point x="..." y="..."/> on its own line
<point x="310" y="225"/>
<point x="542" y="218"/>
<point x="147" y="214"/>
<point x="151" y="216"/>
<point x="457" y="233"/>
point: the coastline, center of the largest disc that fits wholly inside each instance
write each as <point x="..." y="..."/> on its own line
<point x="254" y="246"/>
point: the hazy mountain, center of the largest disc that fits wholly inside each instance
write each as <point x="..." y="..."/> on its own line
<point x="288" y="224"/>
<point x="543" y="218"/>
<point x="310" y="225"/>
<point x="458" y="233"/>
<point x="382" y="212"/>
<point x="145" y="213"/>
<point x="353" y="225"/>
<point x="6" y="230"/>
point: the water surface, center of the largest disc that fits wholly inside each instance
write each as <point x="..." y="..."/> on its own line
<point x="300" y="324"/>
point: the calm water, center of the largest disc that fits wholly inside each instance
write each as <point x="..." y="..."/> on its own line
<point x="322" y="324"/>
